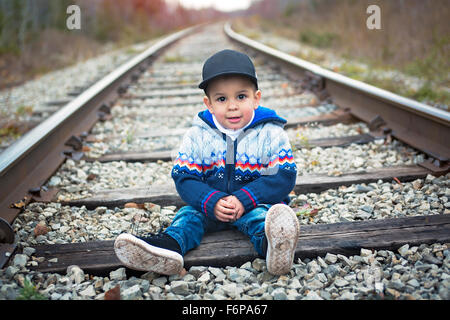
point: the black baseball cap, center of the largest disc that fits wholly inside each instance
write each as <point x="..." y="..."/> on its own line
<point x="228" y="62"/>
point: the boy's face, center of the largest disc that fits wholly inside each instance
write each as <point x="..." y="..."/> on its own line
<point x="232" y="100"/>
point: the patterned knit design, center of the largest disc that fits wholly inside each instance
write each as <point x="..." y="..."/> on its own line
<point x="261" y="149"/>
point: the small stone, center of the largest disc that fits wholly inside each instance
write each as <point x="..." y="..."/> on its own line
<point x="330" y="258"/>
<point x="361" y="189"/>
<point x="340" y="282"/>
<point x="331" y="271"/>
<point x="312" y="295"/>
<point x="88" y="292"/>
<point x="414" y="283"/>
<point x="347" y="296"/>
<point x="11" y="271"/>
<point x="392" y="292"/>
<point x="379" y="286"/>
<point x="279" y="294"/>
<point x="367" y="208"/>
<point x="159" y="282"/>
<point x="197" y="270"/>
<point x="314" y="284"/>
<point x="325" y="295"/>
<point x="29" y="251"/>
<point x="205" y="277"/>
<point x="321" y="262"/>
<point x="403" y="250"/>
<point x="431" y="259"/>
<point x="131" y="293"/>
<point x="365" y="252"/>
<point x="313" y="267"/>
<point x="98" y="284"/>
<point x="20" y="260"/>
<point x="232" y="290"/>
<point x="54" y="181"/>
<point x="295" y="284"/>
<point x="215" y="271"/>
<point x="396" y="284"/>
<point x="345" y="260"/>
<point x="118" y="274"/>
<point x="180" y="287"/>
<point x="259" y="264"/>
<point x="417" y="184"/>
<point x="40" y="229"/>
<point x="358" y="162"/>
<point x="75" y="273"/>
<point x="55" y="296"/>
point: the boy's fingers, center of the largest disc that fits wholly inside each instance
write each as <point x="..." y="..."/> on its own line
<point x="223" y="217"/>
<point x="226" y="209"/>
<point x="226" y="204"/>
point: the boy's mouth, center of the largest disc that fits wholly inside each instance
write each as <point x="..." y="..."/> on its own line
<point x="234" y="119"/>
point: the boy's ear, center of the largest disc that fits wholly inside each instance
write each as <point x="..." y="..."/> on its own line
<point x="207" y="102"/>
<point x="257" y="98"/>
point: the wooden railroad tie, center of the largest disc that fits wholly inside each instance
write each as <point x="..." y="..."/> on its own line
<point x="166" y="195"/>
<point x="232" y="248"/>
<point x="168" y="155"/>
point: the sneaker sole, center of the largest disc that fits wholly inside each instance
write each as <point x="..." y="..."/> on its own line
<point x="282" y="231"/>
<point x="136" y="254"/>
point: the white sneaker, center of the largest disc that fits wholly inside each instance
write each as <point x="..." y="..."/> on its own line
<point x="282" y="231"/>
<point x="148" y="254"/>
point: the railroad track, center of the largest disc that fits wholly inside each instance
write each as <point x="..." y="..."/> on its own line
<point x="104" y="161"/>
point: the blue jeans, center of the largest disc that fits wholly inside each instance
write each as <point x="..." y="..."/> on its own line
<point x="189" y="226"/>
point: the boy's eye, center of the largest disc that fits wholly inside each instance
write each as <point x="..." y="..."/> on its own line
<point x="242" y="96"/>
<point x="221" y="99"/>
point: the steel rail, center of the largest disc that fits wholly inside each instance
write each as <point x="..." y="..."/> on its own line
<point x="419" y="125"/>
<point x="36" y="155"/>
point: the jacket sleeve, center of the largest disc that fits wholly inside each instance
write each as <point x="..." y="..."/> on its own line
<point x="278" y="174"/>
<point x="187" y="174"/>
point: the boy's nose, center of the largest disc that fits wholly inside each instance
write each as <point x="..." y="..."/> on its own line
<point x="232" y="105"/>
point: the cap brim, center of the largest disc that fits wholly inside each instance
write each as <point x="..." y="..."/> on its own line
<point x="205" y="82"/>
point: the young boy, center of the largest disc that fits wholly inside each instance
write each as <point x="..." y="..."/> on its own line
<point x="234" y="169"/>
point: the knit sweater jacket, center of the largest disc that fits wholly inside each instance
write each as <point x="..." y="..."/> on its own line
<point x="258" y="167"/>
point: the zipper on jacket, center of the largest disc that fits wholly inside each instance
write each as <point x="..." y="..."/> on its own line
<point x="230" y="161"/>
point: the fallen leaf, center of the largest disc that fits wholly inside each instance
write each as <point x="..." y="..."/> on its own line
<point x="313" y="212"/>
<point x="113" y="294"/>
<point x="20" y="204"/>
<point x="131" y="205"/>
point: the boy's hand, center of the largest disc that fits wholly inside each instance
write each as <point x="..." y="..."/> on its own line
<point x="228" y="209"/>
<point x="224" y="210"/>
<point x="238" y="206"/>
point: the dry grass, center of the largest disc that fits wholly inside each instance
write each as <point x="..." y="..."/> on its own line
<point x="415" y="34"/>
<point x="414" y="39"/>
<point x="52" y="50"/>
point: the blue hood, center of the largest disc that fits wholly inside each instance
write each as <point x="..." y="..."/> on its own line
<point x="262" y="115"/>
